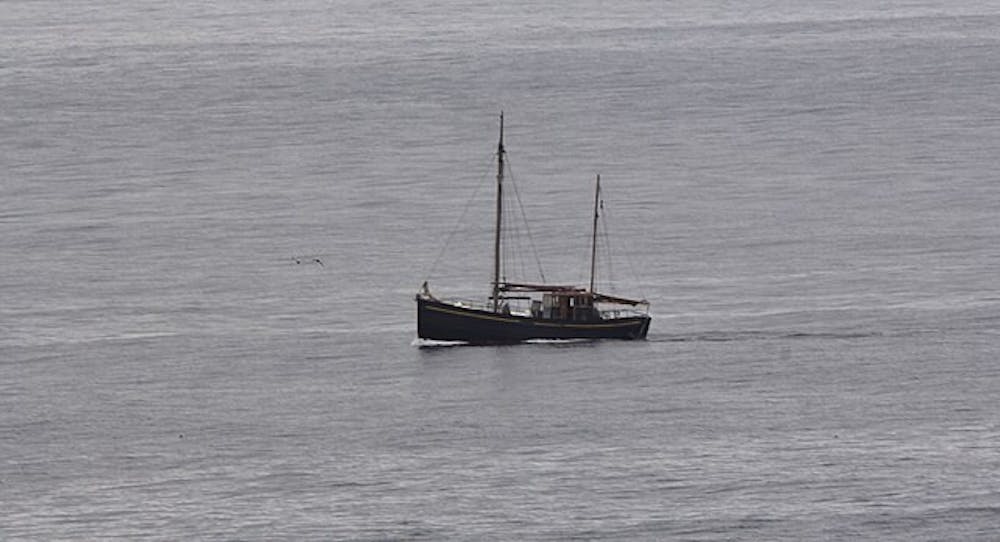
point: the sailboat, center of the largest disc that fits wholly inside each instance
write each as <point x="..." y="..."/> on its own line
<point x="554" y="311"/>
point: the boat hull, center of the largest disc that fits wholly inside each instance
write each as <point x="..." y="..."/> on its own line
<point x="442" y="321"/>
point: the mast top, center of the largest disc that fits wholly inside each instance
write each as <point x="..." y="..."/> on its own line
<point x="500" y="146"/>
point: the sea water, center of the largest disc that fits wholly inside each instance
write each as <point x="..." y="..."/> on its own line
<point x="215" y="216"/>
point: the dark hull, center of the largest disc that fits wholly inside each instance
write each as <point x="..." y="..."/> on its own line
<point x="442" y="321"/>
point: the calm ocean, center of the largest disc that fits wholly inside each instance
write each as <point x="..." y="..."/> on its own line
<point x="807" y="192"/>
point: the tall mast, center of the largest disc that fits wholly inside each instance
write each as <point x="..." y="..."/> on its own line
<point x="593" y="243"/>
<point x="496" y="240"/>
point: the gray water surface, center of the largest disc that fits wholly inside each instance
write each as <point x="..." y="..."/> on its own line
<point x="805" y="191"/>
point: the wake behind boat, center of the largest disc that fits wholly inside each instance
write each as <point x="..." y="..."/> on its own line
<point x="552" y="311"/>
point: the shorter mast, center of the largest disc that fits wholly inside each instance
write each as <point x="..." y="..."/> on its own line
<point x="496" y="240"/>
<point x="593" y="243"/>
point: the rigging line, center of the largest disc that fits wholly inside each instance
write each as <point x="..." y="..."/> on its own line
<point x="527" y="227"/>
<point x="512" y="260"/>
<point x="507" y="242"/>
<point x="458" y="223"/>
<point x="508" y="263"/>
<point x="515" y="262"/>
<point x="585" y="251"/>
<point x="608" y="255"/>
<point x="631" y="266"/>
<point x="521" y="253"/>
